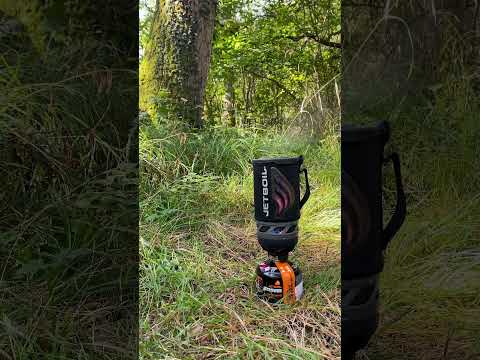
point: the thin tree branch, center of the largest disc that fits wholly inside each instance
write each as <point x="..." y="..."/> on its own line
<point x="318" y="40"/>
<point x="276" y="82"/>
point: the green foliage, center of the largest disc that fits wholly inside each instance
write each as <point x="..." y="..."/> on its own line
<point x="273" y="55"/>
<point x="30" y="15"/>
<point x="147" y="10"/>
<point x="72" y="23"/>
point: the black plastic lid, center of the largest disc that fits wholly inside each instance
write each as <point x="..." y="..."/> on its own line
<point x="280" y="160"/>
<point x="354" y="133"/>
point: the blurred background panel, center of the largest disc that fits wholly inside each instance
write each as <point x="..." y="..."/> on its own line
<point x="69" y="190"/>
<point x="415" y="65"/>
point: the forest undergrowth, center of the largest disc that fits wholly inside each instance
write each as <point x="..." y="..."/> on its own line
<point x="69" y="201"/>
<point x="199" y="251"/>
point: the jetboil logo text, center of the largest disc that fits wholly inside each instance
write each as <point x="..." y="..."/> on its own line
<point x="265" y="191"/>
<point x="282" y="192"/>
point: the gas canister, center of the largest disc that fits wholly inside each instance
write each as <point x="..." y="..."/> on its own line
<point x="271" y="286"/>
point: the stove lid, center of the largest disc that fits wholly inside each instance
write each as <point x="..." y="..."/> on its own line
<point x="280" y="160"/>
<point x="355" y="133"/>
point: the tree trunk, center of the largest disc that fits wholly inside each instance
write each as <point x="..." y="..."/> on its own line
<point x="229" y="104"/>
<point x="177" y="57"/>
<point x="392" y="53"/>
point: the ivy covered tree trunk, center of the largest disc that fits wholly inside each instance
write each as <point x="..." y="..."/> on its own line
<point x="178" y="55"/>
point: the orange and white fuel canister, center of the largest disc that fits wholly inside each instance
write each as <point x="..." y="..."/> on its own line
<point x="279" y="281"/>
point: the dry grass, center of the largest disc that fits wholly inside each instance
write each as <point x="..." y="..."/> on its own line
<point x="231" y="322"/>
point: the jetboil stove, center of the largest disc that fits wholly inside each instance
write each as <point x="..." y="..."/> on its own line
<point x="364" y="237"/>
<point x="277" y="211"/>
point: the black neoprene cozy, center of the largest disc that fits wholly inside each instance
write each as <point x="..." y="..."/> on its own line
<point x="278" y="203"/>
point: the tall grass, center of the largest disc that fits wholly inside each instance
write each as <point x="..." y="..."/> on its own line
<point x="68" y="203"/>
<point x="199" y="252"/>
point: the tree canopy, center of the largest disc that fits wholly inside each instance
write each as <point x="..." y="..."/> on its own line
<point x="268" y="58"/>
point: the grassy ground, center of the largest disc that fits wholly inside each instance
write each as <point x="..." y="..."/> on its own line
<point x="199" y="251"/>
<point x="430" y="298"/>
